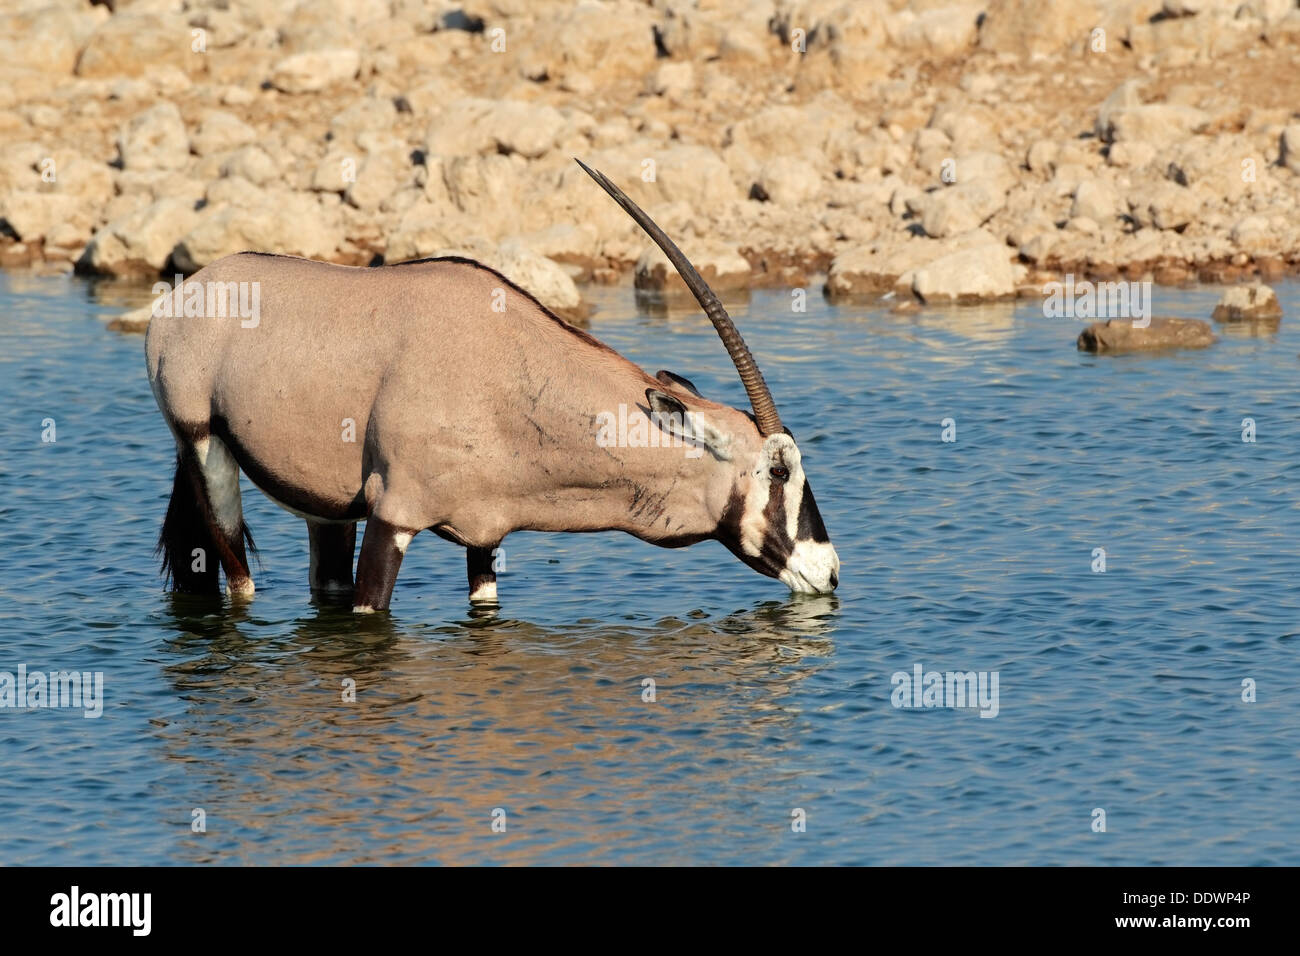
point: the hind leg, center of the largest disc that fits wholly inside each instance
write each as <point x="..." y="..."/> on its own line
<point x="332" y="549"/>
<point x="224" y="512"/>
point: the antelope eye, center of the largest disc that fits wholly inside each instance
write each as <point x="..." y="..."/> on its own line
<point x="779" y="472"/>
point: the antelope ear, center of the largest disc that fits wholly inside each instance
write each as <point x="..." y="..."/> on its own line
<point x="676" y="419"/>
<point x="672" y="378"/>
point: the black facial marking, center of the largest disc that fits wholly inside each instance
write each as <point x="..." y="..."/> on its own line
<point x="810" y="519"/>
<point x="777" y="545"/>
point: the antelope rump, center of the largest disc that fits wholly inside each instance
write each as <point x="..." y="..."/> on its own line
<point x="468" y="420"/>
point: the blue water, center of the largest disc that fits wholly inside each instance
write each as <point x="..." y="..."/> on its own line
<point x="1119" y="691"/>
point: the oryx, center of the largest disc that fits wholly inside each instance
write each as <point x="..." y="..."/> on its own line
<point x="437" y="394"/>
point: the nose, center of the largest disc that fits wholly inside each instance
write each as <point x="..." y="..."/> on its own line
<point x="835" y="580"/>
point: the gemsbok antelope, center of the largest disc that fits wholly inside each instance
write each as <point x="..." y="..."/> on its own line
<point x="472" y="419"/>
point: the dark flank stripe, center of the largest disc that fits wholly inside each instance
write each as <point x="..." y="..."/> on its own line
<point x="295" y="498"/>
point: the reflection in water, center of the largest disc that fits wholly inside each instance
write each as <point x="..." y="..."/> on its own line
<point x="1119" y="690"/>
<point x="452" y="721"/>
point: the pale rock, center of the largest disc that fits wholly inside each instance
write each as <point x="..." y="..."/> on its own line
<point x="424" y="228"/>
<point x="252" y="163"/>
<point x="938" y="33"/>
<point x="1154" y="123"/>
<point x="288" y="223"/>
<point x="472" y="126"/>
<point x="220" y="132"/>
<point x="367" y="114"/>
<point x="1029" y="27"/>
<point x="1165" y="206"/>
<point x="541" y="277"/>
<point x="1247" y="303"/>
<point x="980" y="272"/>
<point x="741" y="43"/>
<point x="140" y="243"/>
<point x="946" y="212"/>
<point x="33" y="215"/>
<point x="1130" y="155"/>
<point x="315" y="70"/>
<point x="130" y="44"/>
<point x="1041" y="157"/>
<point x="137" y="320"/>
<point x="484" y="187"/>
<point x="721" y="265"/>
<point x="154" y="140"/>
<point x="788" y="180"/>
<point x="46" y="38"/>
<point x="1252" y="231"/>
<point x="1096" y="200"/>
<point x="381" y="175"/>
<point x="672" y="79"/>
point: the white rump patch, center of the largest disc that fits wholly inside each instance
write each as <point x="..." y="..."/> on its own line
<point x="221" y="479"/>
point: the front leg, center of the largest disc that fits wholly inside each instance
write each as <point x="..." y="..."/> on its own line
<point x="382" y="549"/>
<point x="480" y="564"/>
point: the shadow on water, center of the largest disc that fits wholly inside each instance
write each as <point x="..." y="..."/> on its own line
<point x="451" y="721"/>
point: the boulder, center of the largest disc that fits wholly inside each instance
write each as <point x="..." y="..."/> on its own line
<point x="46" y="38"/>
<point x="1152" y="123"/>
<point x="1095" y="199"/>
<point x="1248" y="304"/>
<point x="220" y="132"/>
<point x="1120" y="335"/>
<point x="287" y="223"/>
<point x="140" y="243"/>
<point x="137" y="320"/>
<point x="154" y="140"/>
<point x="721" y="265"/>
<point x="1166" y="206"/>
<point x="33" y="214"/>
<point x="315" y="70"/>
<point x="788" y="181"/>
<point x="131" y="44"/>
<point x="977" y="273"/>
<point x="544" y="279"/>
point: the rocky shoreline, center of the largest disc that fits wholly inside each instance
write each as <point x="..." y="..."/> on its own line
<point x="938" y="152"/>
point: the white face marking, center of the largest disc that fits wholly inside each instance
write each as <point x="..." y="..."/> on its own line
<point x="810" y="566"/>
<point x="221" y="478"/>
<point x="485" y="593"/>
<point x="753" y="523"/>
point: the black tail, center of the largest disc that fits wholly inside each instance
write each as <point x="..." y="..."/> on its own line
<point x="185" y="530"/>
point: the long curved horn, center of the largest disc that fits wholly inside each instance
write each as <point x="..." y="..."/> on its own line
<point x="769" y="422"/>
